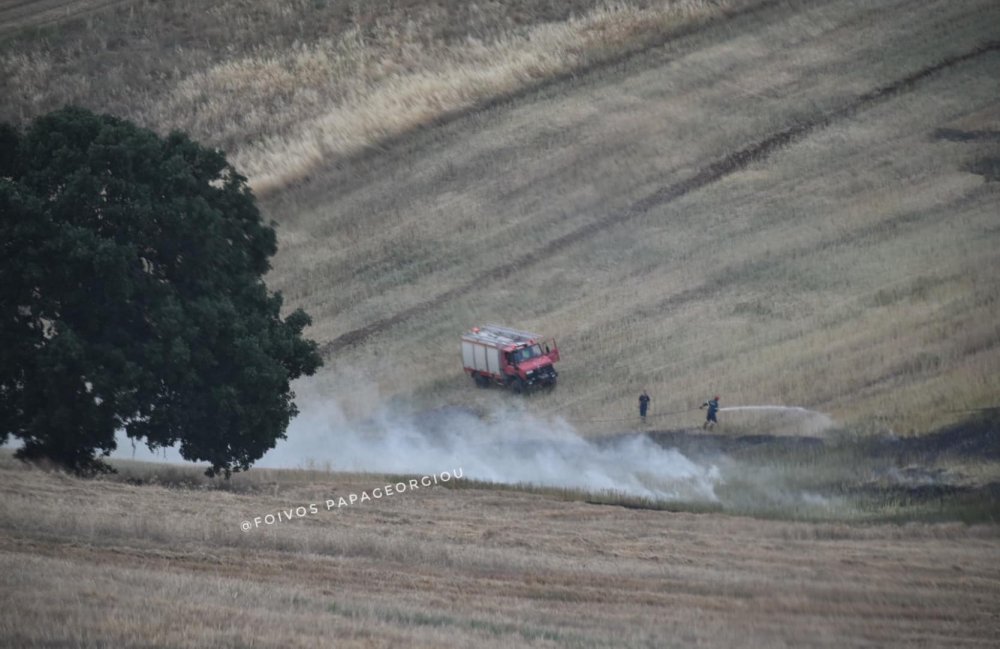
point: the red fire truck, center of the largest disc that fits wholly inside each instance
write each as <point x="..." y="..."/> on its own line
<point x="503" y="356"/>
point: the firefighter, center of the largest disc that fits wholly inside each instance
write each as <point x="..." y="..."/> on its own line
<point x="713" y="408"/>
<point x="643" y="405"/>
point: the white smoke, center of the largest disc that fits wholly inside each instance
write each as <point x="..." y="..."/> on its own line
<point x="514" y="447"/>
<point x="509" y="446"/>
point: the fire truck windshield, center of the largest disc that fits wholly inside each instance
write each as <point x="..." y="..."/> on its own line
<point x="525" y="353"/>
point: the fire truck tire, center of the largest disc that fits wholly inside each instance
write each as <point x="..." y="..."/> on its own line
<point x="481" y="381"/>
<point x="518" y="386"/>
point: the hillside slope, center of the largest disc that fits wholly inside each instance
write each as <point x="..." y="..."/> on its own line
<point x="771" y="207"/>
<point x="782" y="202"/>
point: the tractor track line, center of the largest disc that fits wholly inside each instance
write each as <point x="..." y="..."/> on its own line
<point x="715" y="171"/>
<point x="25" y="14"/>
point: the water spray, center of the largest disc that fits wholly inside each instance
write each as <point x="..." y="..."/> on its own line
<point x="818" y="420"/>
<point x="794" y="409"/>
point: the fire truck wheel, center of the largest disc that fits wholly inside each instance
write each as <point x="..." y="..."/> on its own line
<point x="518" y="386"/>
<point x="481" y="381"/>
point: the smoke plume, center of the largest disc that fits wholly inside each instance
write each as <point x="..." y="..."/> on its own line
<point x="513" y="448"/>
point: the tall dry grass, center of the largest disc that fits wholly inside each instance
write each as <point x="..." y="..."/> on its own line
<point x="322" y="83"/>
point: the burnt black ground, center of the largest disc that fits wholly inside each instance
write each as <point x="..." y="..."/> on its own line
<point x="927" y="477"/>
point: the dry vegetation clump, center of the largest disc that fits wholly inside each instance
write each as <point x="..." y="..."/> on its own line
<point x="286" y="87"/>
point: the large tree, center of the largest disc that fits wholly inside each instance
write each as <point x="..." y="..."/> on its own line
<point x="132" y="298"/>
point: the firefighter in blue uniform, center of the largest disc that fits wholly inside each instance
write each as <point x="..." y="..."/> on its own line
<point x="643" y="405"/>
<point x="713" y="408"/>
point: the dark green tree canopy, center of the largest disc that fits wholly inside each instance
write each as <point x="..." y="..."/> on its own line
<point x="132" y="297"/>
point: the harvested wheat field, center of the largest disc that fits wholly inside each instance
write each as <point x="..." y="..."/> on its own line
<point x="100" y="563"/>
<point x="793" y="204"/>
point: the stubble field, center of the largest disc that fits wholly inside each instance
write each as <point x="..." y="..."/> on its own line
<point x="783" y="202"/>
<point x="106" y="563"/>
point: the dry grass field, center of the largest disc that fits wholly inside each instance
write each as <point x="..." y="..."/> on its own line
<point x="851" y="270"/>
<point x="781" y="201"/>
<point x="590" y="171"/>
<point x="99" y="563"/>
<point x="284" y="87"/>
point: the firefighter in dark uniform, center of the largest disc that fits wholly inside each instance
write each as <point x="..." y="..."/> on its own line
<point x="713" y="409"/>
<point x="643" y="405"/>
